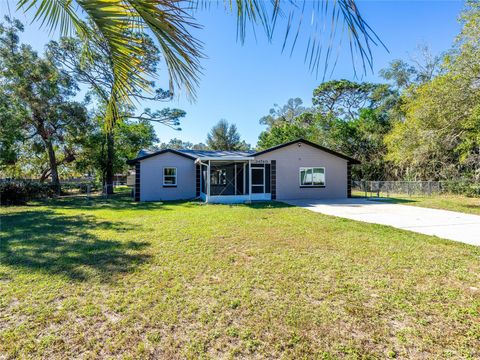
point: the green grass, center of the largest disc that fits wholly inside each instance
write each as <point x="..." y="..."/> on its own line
<point x="459" y="203"/>
<point x="116" y="279"/>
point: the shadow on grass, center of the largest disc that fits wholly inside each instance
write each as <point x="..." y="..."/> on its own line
<point x="269" y="205"/>
<point x="125" y="202"/>
<point x="64" y="245"/>
<point x="114" y="202"/>
<point x="392" y="200"/>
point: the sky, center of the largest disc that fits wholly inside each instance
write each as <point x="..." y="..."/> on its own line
<point x="240" y="83"/>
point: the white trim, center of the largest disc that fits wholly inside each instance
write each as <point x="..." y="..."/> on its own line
<point x="244" y="177"/>
<point x="225" y="158"/>
<point x="208" y="181"/>
<point x="311" y="167"/>
<point x="235" y="177"/>
<point x="235" y="199"/>
<point x="169" y="167"/>
<point x="201" y="176"/>
<point x="250" y="180"/>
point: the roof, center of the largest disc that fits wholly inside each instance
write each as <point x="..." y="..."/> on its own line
<point x="217" y="153"/>
<point x="340" y="155"/>
<point x="194" y="154"/>
<point x="145" y="154"/>
<point x="232" y="155"/>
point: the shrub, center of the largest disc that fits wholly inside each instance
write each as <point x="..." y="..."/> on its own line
<point x="467" y="188"/>
<point x="18" y="192"/>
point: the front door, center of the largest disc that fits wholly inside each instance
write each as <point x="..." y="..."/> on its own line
<point x="258" y="180"/>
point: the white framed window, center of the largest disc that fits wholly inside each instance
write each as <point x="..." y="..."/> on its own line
<point x="312" y="176"/>
<point x="169" y="176"/>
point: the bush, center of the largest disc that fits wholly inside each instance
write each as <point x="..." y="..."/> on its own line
<point x="467" y="188"/>
<point x="18" y="192"/>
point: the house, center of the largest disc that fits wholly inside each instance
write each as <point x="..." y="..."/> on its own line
<point x="298" y="169"/>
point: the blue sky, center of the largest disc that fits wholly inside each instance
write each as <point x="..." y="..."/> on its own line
<point x="240" y="83"/>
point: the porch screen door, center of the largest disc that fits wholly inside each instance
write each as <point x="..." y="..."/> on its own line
<point x="258" y="180"/>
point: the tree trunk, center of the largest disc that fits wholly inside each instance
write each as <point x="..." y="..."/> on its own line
<point x="53" y="166"/>
<point x="109" y="163"/>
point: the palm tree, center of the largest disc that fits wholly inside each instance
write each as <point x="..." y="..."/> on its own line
<point x="170" y="21"/>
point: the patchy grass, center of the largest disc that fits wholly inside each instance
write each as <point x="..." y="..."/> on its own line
<point x="459" y="203"/>
<point x="116" y="279"/>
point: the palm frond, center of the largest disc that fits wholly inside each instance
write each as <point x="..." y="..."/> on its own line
<point x="116" y="22"/>
<point x="170" y="21"/>
<point x="318" y="21"/>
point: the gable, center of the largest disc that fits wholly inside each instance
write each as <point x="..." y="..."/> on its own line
<point x="309" y="144"/>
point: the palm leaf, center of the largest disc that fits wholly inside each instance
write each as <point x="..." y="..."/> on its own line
<point x="171" y="21"/>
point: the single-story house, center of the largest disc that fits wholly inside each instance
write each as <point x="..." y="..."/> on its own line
<point x="298" y="169"/>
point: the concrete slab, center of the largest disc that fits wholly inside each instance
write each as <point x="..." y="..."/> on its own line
<point x="442" y="223"/>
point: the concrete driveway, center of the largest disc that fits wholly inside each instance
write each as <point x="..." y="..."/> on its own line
<point x="442" y="223"/>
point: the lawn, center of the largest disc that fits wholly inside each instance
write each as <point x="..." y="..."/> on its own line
<point x="469" y="205"/>
<point x="459" y="203"/>
<point x="117" y="279"/>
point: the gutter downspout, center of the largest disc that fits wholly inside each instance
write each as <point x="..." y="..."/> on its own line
<point x="249" y="181"/>
<point x="208" y="182"/>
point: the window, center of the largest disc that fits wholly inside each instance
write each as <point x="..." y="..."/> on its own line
<point x="312" y="176"/>
<point x="218" y="177"/>
<point x="169" y="176"/>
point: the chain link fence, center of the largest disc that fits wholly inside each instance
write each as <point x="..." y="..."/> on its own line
<point x="415" y="188"/>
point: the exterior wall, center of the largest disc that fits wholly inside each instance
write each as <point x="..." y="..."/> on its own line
<point x="151" y="178"/>
<point x="288" y="161"/>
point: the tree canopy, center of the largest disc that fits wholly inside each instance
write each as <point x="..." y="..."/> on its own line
<point x="225" y="136"/>
<point x="37" y="97"/>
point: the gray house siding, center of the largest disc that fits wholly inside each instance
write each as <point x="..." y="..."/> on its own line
<point x="289" y="160"/>
<point x="151" y="178"/>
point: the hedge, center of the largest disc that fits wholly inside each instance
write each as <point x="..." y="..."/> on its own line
<point x="18" y="192"/>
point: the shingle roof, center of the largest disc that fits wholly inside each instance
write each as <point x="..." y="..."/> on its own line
<point x="201" y="153"/>
<point x="196" y="154"/>
<point x="191" y="154"/>
<point x="216" y="153"/>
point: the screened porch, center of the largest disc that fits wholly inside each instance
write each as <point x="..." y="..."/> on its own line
<point x="234" y="180"/>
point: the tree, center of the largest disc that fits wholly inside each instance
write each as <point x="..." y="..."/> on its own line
<point x="439" y="137"/>
<point x="305" y="125"/>
<point x="178" y="144"/>
<point x="224" y="136"/>
<point x="357" y="130"/>
<point x="344" y="99"/>
<point x="421" y="68"/>
<point x="117" y="22"/>
<point x="41" y="93"/>
<point x="130" y="137"/>
<point x="11" y="134"/>
<point x="96" y="74"/>
<point x="286" y="113"/>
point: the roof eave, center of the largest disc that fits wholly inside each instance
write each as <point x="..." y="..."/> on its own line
<point x="140" y="158"/>
<point x="319" y="147"/>
<point x="224" y="158"/>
